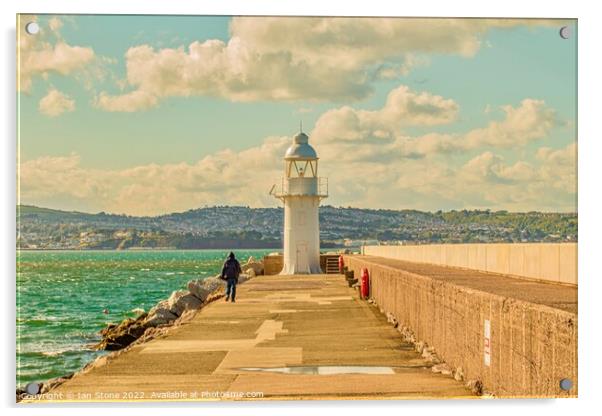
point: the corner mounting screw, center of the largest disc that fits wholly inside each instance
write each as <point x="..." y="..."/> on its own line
<point x="566" y="384"/>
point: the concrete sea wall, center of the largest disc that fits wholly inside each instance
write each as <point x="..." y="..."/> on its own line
<point x="541" y="261"/>
<point x="514" y="348"/>
<point x="274" y="263"/>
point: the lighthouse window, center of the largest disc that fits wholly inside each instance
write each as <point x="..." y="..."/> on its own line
<point x="314" y="168"/>
<point x="289" y="165"/>
<point x="300" y="168"/>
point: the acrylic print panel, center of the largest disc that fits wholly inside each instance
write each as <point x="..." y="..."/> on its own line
<point x="398" y="194"/>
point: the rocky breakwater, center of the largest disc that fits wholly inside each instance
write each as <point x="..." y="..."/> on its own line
<point x="180" y="306"/>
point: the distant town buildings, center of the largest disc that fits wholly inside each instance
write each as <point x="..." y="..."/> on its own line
<point x="262" y="228"/>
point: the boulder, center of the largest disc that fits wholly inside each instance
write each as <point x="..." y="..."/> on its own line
<point x="160" y="314"/>
<point x="187" y="316"/>
<point x="138" y="311"/>
<point x="173" y="300"/>
<point x="116" y="337"/>
<point x="459" y="374"/>
<point x="136" y="330"/>
<point x="243" y="277"/>
<point x="160" y="305"/>
<point x="160" y="317"/>
<point x="196" y="288"/>
<point x="391" y="319"/>
<point x="117" y="342"/>
<point x="257" y="266"/>
<point x="212" y="284"/>
<point x="442" y="368"/>
<point x="106" y="330"/>
<point x="185" y="303"/>
<point x="476" y="386"/>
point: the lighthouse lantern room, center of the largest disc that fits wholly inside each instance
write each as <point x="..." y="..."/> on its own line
<point x="301" y="191"/>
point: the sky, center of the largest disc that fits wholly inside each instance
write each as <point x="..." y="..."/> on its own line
<point x="145" y="115"/>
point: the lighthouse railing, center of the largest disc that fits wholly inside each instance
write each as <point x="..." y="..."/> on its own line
<point x="323" y="187"/>
<point x="285" y="188"/>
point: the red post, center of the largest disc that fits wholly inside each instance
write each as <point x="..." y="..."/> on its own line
<point x="365" y="284"/>
<point x="341" y="264"/>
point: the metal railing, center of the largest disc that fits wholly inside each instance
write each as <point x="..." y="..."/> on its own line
<point x="323" y="187"/>
<point x="282" y="189"/>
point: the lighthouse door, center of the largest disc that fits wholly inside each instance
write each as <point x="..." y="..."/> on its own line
<point x="302" y="261"/>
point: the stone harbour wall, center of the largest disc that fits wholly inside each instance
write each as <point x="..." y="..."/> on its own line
<point x="556" y="262"/>
<point x="273" y="264"/>
<point x="531" y="347"/>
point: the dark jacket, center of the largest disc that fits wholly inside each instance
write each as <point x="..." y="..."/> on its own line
<point x="231" y="269"/>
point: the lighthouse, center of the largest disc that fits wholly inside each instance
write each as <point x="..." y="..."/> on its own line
<point x="301" y="191"/>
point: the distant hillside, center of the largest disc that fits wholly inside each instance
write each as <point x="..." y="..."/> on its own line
<point x="235" y="226"/>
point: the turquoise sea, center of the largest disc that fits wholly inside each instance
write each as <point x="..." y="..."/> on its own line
<point x="61" y="296"/>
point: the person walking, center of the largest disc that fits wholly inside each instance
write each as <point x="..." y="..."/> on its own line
<point x="230" y="273"/>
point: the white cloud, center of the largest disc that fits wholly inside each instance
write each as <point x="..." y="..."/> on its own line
<point x="54" y="23"/>
<point x="132" y="101"/>
<point x="288" y="59"/>
<point x="398" y="70"/>
<point x="55" y="103"/>
<point x="491" y="168"/>
<point x="353" y="42"/>
<point x="378" y="135"/>
<point x="226" y="177"/>
<point x="369" y="158"/>
<point x="488" y="181"/>
<point x="49" y="177"/>
<point x="530" y="121"/>
<point x="244" y="178"/>
<point x="46" y="52"/>
<point x="403" y="108"/>
<point x="559" y="167"/>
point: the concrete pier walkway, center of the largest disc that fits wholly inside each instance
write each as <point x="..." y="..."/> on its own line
<point x="286" y="337"/>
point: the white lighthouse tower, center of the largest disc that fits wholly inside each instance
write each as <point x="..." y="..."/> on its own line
<point x="301" y="191"/>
